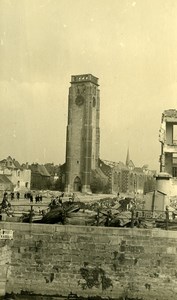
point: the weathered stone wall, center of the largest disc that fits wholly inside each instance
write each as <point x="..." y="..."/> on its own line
<point x="91" y="261"/>
<point x="5" y="262"/>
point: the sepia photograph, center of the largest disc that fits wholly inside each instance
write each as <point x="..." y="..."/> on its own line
<point x="88" y="152"/>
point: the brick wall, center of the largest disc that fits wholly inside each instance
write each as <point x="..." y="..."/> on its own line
<point x="91" y="261"/>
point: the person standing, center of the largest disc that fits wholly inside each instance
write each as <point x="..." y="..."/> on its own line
<point x="12" y="195"/>
<point x="18" y="195"/>
<point x="31" y="198"/>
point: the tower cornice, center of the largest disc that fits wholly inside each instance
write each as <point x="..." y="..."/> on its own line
<point x="84" y="78"/>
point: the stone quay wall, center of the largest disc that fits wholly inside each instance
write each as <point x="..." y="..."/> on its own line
<point x="89" y="261"/>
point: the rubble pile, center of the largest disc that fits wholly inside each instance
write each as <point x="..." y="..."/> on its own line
<point x="104" y="212"/>
<point x="111" y="212"/>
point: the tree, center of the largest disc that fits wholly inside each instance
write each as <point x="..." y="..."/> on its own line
<point x="99" y="185"/>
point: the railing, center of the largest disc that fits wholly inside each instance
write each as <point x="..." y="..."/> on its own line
<point x="165" y="217"/>
<point x="158" y="215"/>
<point x="136" y="215"/>
<point x="31" y="211"/>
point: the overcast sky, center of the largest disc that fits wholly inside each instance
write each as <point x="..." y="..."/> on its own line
<point x="131" y="46"/>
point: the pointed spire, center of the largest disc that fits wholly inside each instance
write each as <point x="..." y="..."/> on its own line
<point x="127" y="158"/>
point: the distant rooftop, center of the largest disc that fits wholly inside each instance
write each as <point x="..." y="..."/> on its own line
<point x="39" y="169"/>
<point x="162" y="175"/>
<point x="114" y="164"/>
<point x="84" y="78"/>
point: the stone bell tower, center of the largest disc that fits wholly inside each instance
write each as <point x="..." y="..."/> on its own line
<point x="83" y="133"/>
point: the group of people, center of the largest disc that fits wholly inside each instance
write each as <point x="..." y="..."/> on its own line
<point x="37" y="197"/>
<point x="12" y="195"/>
<point x="55" y="202"/>
<point x="58" y="200"/>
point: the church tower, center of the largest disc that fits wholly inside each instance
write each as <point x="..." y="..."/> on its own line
<point x="83" y="133"/>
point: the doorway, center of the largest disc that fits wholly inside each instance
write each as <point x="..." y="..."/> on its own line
<point x="77" y="184"/>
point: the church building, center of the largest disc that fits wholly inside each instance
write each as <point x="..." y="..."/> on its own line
<point x="83" y="170"/>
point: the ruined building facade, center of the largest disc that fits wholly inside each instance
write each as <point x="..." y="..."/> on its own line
<point x="18" y="175"/>
<point x="168" y="139"/>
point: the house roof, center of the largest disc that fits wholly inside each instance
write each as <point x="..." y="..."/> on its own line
<point x="5" y="179"/>
<point x="138" y="169"/>
<point x="3" y="161"/>
<point x="16" y="164"/>
<point x="39" y="169"/>
<point x="50" y="168"/>
<point x="43" y="170"/>
<point x="130" y="164"/>
<point x="113" y="164"/>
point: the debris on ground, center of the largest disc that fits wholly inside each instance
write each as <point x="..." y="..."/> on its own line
<point x="110" y="212"/>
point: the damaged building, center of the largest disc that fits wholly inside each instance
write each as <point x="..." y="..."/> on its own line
<point x="166" y="180"/>
<point x="165" y="194"/>
<point x="18" y="175"/>
<point x="168" y="139"/>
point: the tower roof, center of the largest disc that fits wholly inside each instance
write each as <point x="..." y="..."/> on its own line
<point x="84" y="78"/>
<point x="127" y="158"/>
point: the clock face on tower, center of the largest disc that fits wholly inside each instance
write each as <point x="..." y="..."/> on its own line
<point x="79" y="100"/>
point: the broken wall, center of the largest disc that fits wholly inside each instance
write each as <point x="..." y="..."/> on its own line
<point x="167" y="186"/>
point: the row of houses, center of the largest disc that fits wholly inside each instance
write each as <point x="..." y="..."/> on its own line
<point x="23" y="178"/>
